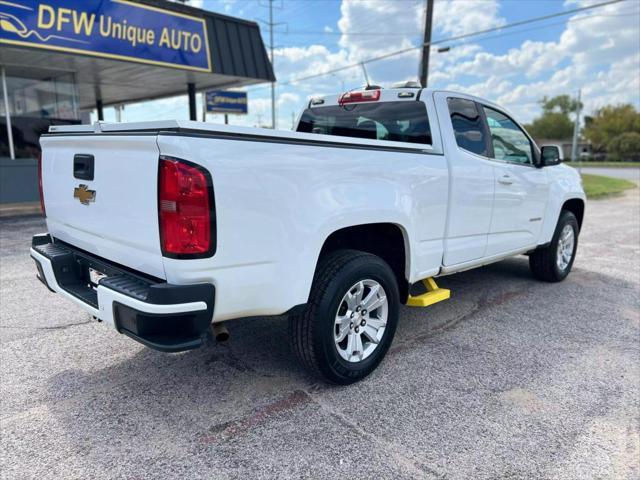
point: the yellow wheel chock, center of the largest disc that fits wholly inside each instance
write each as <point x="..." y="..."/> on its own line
<point x="434" y="294"/>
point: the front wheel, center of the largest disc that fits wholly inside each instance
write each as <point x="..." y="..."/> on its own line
<point x="553" y="263"/>
<point x="350" y="319"/>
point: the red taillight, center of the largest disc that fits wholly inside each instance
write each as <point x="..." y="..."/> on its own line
<point x="356" y="97"/>
<point x="44" y="211"/>
<point x="185" y="206"/>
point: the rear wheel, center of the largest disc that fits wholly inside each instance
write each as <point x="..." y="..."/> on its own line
<point x="350" y="319"/>
<point x="553" y="263"/>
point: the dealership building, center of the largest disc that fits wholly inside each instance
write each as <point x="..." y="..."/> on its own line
<point x="60" y="60"/>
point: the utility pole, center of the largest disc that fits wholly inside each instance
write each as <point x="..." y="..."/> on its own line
<point x="272" y="24"/>
<point x="426" y="46"/>
<point x="273" y="84"/>
<point x="576" y="128"/>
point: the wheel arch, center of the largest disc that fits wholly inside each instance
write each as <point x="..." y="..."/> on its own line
<point x="388" y="241"/>
<point x="575" y="206"/>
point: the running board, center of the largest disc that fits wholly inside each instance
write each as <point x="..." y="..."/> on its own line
<point x="434" y="294"/>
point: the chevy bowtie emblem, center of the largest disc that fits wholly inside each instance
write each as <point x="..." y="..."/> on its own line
<point x="82" y="193"/>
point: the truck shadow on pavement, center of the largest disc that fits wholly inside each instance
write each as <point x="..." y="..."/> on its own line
<point x="226" y="393"/>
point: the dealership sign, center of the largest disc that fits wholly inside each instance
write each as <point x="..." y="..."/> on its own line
<point x="117" y="29"/>
<point x="220" y="101"/>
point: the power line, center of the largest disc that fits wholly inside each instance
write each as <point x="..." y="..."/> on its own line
<point x="363" y="34"/>
<point x="490" y="37"/>
<point x="453" y="38"/>
<point x="532" y="29"/>
<point x="415" y="34"/>
<point x="518" y="32"/>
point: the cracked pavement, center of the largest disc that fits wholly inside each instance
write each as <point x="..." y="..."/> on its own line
<point x="511" y="378"/>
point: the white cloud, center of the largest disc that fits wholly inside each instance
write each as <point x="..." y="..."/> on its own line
<point x="598" y="52"/>
<point x="195" y="3"/>
<point x="287" y="98"/>
<point x="299" y="62"/>
<point x="530" y="58"/>
<point x="386" y="19"/>
<point x="386" y="26"/>
<point x="457" y="18"/>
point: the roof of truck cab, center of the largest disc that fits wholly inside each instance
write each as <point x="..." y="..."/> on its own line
<point x="386" y="95"/>
<point x="391" y="94"/>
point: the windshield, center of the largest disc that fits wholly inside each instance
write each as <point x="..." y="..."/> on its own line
<point x="396" y="121"/>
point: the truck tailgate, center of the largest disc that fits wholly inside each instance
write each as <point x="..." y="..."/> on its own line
<point x="119" y="222"/>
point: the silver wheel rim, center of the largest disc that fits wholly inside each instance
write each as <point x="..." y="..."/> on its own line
<point x="566" y="246"/>
<point x="361" y="320"/>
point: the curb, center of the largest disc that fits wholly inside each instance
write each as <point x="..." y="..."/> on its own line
<point x="19" y="209"/>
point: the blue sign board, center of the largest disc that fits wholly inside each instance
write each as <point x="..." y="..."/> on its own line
<point x="117" y="29"/>
<point x="220" y="101"/>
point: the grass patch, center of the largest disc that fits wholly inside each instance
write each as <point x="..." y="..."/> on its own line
<point x="597" y="186"/>
<point x="605" y="164"/>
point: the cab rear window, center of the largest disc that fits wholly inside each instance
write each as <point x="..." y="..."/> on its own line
<point x="395" y="121"/>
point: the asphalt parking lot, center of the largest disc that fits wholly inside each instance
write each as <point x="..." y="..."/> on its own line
<point x="511" y="378"/>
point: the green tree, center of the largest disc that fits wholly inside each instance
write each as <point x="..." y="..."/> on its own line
<point x="610" y="122"/>
<point x="561" y="103"/>
<point x="625" y="147"/>
<point x="555" y="122"/>
<point x="551" y="126"/>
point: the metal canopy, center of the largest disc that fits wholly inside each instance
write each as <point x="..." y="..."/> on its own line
<point x="238" y="58"/>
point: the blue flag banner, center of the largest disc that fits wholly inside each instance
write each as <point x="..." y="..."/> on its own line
<point x="220" y="101"/>
<point x="116" y="29"/>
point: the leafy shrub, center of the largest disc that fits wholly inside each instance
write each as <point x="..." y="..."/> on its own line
<point x="625" y="147"/>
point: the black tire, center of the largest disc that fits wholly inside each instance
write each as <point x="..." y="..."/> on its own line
<point x="542" y="261"/>
<point x="312" y="331"/>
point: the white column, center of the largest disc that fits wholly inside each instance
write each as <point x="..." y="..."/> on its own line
<point x="7" y="114"/>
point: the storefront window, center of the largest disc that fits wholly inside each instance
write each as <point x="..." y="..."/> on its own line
<point x="34" y="105"/>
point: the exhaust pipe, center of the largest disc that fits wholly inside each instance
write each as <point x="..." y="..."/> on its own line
<point x="220" y="332"/>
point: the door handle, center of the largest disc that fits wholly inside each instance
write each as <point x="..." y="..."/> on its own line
<point x="83" y="165"/>
<point x="505" y="180"/>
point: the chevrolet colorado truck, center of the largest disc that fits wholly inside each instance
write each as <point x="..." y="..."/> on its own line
<point x="166" y="230"/>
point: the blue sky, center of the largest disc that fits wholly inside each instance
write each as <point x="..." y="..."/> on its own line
<point x="597" y="51"/>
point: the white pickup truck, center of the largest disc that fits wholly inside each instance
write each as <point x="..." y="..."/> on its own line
<point x="166" y="230"/>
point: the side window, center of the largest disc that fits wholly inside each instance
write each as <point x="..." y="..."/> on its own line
<point x="509" y="142"/>
<point x="468" y="125"/>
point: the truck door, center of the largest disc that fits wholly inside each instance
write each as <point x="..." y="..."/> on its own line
<point x="472" y="183"/>
<point x="521" y="189"/>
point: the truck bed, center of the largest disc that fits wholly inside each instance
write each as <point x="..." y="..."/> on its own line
<point x="217" y="130"/>
<point x="278" y="196"/>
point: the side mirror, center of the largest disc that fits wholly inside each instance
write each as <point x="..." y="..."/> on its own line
<point x="551" y="155"/>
